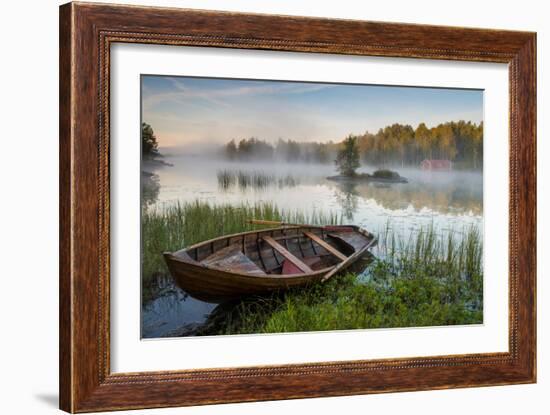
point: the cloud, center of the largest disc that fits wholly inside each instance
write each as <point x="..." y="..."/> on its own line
<point x="185" y="94"/>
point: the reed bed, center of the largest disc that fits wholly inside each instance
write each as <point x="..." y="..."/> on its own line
<point x="254" y="179"/>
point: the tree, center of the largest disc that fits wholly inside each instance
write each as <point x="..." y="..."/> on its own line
<point x="477" y="152"/>
<point x="447" y="146"/>
<point x="149" y="145"/>
<point x="231" y="150"/>
<point x="321" y="153"/>
<point x="254" y="149"/>
<point x="293" y="151"/>
<point x="347" y="159"/>
<point x="423" y="137"/>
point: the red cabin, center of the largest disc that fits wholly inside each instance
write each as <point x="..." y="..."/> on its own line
<point x="436" y="165"/>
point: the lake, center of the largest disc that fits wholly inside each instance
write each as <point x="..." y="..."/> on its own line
<point x="448" y="201"/>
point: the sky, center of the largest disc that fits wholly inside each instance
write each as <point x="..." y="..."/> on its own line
<point x="187" y="111"/>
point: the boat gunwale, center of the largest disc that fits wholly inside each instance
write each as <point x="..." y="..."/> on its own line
<point x="172" y="255"/>
<point x="220" y="238"/>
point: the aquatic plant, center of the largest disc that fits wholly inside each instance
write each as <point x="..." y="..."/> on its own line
<point x="255" y="179"/>
<point x="226" y="179"/>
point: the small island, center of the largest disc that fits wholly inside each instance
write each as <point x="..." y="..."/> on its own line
<point x="347" y="163"/>
<point x="381" y="176"/>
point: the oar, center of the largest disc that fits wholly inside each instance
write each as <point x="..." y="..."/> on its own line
<point x="273" y="223"/>
<point x="297" y="225"/>
<point x="281" y="223"/>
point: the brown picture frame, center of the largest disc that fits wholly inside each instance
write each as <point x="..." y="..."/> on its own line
<point x="86" y="33"/>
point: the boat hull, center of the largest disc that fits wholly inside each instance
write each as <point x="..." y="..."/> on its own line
<point x="216" y="286"/>
<point x="193" y="273"/>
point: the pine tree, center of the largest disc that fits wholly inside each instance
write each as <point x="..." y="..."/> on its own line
<point x="347" y="159"/>
<point x="149" y="145"/>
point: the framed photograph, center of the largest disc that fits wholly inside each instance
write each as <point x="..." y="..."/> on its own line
<point x="259" y="207"/>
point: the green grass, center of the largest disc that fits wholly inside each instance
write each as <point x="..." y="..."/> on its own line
<point x="423" y="281"/>
<point x="183" y="224"/>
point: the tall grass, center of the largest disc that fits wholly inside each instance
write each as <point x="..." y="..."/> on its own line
<point x="456" y="253"/>
<point x="183" y="224"/>
<point x="424" y="280"/>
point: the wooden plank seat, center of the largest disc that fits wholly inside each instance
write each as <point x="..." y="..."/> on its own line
<point x="287" y="254"/>
<point x="353" y="239"/>
<point x="289" y="268"/>
<point x="231" y="258"/>
<point x="326" y="245"/>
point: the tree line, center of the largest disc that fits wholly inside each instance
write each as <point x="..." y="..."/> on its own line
<point x="250" y="149"/>
<point x="460" y="142"/>
<point x="396" y="144"/>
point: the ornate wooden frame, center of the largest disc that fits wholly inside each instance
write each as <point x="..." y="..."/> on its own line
<point x="86" y="33"/>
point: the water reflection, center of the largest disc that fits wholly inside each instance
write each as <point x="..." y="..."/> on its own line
<point x="150" y="187"/>
<point x="172" y="312"/>
<point x="348" y="199"/>
<point x="449" y="196"/>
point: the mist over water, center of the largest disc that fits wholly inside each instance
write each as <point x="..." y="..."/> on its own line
<point x="445" y="198"/>
<point x="450" y="201"/>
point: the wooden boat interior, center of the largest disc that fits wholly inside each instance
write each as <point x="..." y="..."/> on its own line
<point x="283" y="251"/>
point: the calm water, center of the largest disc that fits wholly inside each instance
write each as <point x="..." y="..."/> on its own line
<point x="450" y="201"/>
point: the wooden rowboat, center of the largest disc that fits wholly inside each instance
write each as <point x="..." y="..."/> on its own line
<point x="266" y="260"/>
